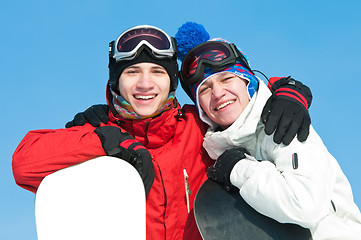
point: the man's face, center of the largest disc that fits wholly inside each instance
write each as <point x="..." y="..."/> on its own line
<point x="223" y="97"/>
<point x="145" y="86"/>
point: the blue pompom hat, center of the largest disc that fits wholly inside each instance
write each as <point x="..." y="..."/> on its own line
<point x="192" y="34"/>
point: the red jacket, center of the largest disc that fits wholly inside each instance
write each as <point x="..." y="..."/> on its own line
<point x="174" y="140"/>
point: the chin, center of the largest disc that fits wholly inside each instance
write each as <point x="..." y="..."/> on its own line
<point x="144" y="112"/>
<point x="227" y="123"/>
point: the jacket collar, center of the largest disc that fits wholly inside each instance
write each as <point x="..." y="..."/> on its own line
<point x="151" y="132"/>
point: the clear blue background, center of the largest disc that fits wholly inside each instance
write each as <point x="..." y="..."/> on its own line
<point x="53" y="64"/>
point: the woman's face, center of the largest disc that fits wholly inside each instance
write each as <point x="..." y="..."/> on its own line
<point x="145" y="86"/>
<point x="223" y="97"/>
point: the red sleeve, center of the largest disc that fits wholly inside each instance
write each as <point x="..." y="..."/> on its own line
<point x="43" y="152"/>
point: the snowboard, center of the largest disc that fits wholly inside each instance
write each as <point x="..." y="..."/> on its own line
<point x="225" y="215"/>
<point x="102" y="198"/>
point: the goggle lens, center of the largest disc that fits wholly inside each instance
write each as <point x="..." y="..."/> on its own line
<point x="131" y="39"/>
<point x="213" y="52"/>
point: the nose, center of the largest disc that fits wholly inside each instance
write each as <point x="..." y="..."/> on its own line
<point x="217" y="91"/>
<point x="145" y="82"/>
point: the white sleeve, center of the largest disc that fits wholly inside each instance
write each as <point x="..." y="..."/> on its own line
<point x="285" y="192"/>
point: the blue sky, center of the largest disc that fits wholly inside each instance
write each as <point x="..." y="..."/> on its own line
<point x="53" y="64"/>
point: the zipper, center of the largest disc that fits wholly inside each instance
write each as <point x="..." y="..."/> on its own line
<point x="187" y="188"/>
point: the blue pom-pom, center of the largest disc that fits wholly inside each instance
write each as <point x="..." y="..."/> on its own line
<point x="189" y="35"/>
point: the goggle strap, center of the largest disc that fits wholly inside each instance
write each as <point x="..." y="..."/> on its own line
<point x="185" y="86"/>
<point x="240" y="56"/>
<point x="111" y="48"/>
<point x="174" y="44"/>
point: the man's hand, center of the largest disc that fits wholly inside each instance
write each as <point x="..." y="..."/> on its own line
<point x="286" y="111"/>
<point x="222" y="169"/>
<point x="94" y="115"/>
<point x="120" y="144"/>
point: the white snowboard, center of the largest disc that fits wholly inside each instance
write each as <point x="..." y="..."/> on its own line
<point x="102" y="198"/>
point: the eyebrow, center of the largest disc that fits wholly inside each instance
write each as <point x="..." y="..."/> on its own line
<point x="158" y="67"/>
<point x="154" y="67"/>
<point x="132" y="67"/>
<point x="224" y="73"/>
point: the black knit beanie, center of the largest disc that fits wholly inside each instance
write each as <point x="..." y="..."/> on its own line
<point x="116" y="69"/>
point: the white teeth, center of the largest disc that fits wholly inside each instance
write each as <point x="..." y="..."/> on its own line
<point x="224" y="104"/>
<point x="144" y="97"/>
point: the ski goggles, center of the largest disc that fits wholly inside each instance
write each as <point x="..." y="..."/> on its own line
<point x="133" y="40"/>
<point x="213" y="54"/>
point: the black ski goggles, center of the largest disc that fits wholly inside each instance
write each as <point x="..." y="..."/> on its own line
<point x="213" y="54"/>
<point x="133" y="40"/>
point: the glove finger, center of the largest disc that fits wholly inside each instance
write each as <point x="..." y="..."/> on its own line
<point x="292" y="129"/>
<point x="148" y="182"/>
<point x="212" y="173"/>
<point x="103" y="113"/>
<point x="304" y="130"/>
<point x="69" y="124"/>
<point x="144" y="165"/>
<point x="266" y="110"/>
<point x="92" y="117"/>
<point x="232" y="153"/>
<point x="283" y="126"/>
<point x="136" y="161"/>
<point x="79" y="119"/>
<point x="148" y="176"/>
<point x="273" y="119"/>
<point x="123" y="154"/>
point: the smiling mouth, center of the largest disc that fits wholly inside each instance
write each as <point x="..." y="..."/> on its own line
<point x="224" y="105"/>
<point x="144" y="97"/>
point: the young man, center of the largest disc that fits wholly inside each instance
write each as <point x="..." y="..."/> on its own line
<point x="299" y="183"/>
<point x="142" y="80"/>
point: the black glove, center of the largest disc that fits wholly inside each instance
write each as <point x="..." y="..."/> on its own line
<point x="221" y="170"/>
<point x="287" y="110"/>
<point x="94" y="115"/>
<point x="118" y="144"/>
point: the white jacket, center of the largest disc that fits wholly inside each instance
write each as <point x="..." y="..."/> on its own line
<point x="314" y="193"/>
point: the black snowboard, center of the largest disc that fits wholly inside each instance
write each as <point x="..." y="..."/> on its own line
<point x="225" y="215"/>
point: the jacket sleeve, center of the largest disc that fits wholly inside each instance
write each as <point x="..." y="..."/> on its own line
<point x="293" y="186"/>
<point x="43" y="152"/>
